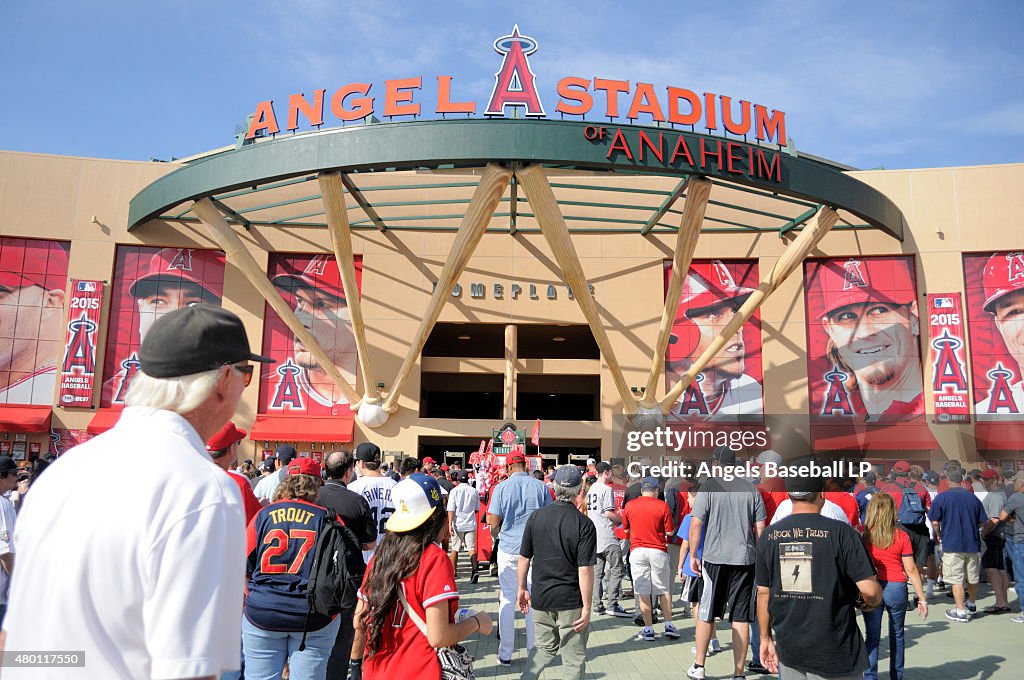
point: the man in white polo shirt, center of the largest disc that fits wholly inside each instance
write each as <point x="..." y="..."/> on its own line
<point x="147" y="581"/>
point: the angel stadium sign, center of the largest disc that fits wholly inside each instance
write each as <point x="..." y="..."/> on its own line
<point x="515" y="88"/>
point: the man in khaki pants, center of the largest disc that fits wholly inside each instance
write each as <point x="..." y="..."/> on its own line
<point x="563" y="588"/>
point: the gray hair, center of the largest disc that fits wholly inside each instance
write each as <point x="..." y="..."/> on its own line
<point x="182" y="395"/>
<point x="566" y="494"/>
<point x="955" y="475"/>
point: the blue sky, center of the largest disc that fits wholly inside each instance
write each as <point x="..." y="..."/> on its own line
<point x="870" y="84"/>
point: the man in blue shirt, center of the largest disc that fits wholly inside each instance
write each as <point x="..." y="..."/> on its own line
<point x="957" y="516"/>
<point x="512" y="503"/>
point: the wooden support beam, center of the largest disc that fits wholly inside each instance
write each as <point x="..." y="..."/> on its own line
<point x="341" y="240"/>
<point x="511" y="352"/>
<point x="795" y="253"/>
<point x="236" y="253"/>
<point x="552" y="225"/>
<point x="686" y="242"/>
<point x="359" y="198"/>
<point x="481" y="208"/>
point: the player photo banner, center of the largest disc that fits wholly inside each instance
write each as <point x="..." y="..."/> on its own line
<point x="149" y="282"/>
<point x="865" y="378"/>
<point x="995" y="314"/>
<point x="296" y="384"/>
<point x="729" y="389"/>
<point x="33" y="288"/>
<point x="946" y="334"/>
<point x="78" y="370"/>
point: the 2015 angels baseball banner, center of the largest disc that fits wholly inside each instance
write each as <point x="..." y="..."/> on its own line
<point x="297" y="384"/>
<point x="78" y="370"/>
<point x="948" y="349"/>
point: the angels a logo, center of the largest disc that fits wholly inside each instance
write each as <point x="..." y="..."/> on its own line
<point x="514" y="83"/>
<point x="949" y="370"/>
<point x="129" y="367"/>
<point x="725" y="280"/>
<point x="1014" y="266"/>
<point x="693" y="399"/>
<point x="837" y="397"/>
<point x="316" y="266"/>
<point x="79" y="352"/>
<point x="1000" y="394"/>
<point x="182" y="261"/>
<point x="853" y="276"/>
<point x="287" y="393"/>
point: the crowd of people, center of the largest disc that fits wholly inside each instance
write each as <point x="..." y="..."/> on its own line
<point x="348" y="569"/>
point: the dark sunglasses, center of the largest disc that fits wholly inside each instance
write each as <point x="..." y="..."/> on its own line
<point x="245" y="370"/>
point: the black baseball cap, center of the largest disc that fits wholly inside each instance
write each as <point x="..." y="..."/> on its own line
<point x="285" y="453"/>
<point x="195" y="339"/>
<point x="368" y="452"/>
<point x="804" y="484"/>
<point x="462" y="476"/>
<point x="7" y="465"/>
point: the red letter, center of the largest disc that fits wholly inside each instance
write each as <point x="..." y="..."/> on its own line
<point x="730" y="158"/>
<point x="263" y="119"/>
<point x="586" y="102"/>
<point x="711" y="120"/>
<point x="674" y="115"/>
<point x="644" y="101"/>
<point x="744" y="126"/>
<point x="704" y="153"/>
<point x="444" y="98"/>
<point x="771" y="170"/>
<point x="681" y="150"/>
<point x="620" y="144"/>
<point x="772" y="127"/>
<point x="658" y="152"/>
<point x="612" y="88"/>
<point x="314" y="112"/>
<point x="398" y="91"/>
<point x="363" y="105"/>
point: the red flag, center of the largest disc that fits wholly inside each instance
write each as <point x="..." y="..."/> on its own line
<point x="535" y="438"/>
<point x="490" y="445"/>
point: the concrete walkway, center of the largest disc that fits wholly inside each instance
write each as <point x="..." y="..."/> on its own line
<point x="988" y="647"/>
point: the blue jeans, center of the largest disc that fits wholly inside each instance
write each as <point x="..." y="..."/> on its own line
<point x="1016" y="551"/>
<point x="894" y="601"/>
<point x="266" y="651"/>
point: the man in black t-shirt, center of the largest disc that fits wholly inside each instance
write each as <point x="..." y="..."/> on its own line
<point x="812" y="574"/>
<point x="355" y="512"/>
<point x="562" y="544"/>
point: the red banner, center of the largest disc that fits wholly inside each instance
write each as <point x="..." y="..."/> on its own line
<point x="946" y="325"/>
<point x="535" y="437"/>
<point x="78" y="370"/>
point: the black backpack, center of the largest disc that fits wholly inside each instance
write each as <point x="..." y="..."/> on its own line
<point x="336" y="573"/>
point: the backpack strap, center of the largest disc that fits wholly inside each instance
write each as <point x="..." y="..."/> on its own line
<point x="408" y="610"/>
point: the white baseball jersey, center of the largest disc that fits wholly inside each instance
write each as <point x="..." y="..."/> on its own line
<point x="377" y="492"/>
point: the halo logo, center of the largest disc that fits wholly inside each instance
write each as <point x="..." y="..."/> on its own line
<point x="514" y="83"/>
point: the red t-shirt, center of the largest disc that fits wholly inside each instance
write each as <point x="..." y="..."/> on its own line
<point x="619" y="495"/>
<point x="404" y="651"/>
<point x="848" y="504"/>
<point x="889" y="561"/>
<point x="249" y="500"/>
<point x="647" y="520"/>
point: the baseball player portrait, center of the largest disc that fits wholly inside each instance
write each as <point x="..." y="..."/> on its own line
<point x="313" y="284"/>
<point x="33" y="277"/>
<point x="170" y="279"/>
<point x="1003" y="281"/>
<point x="725" y="389"/>
<point x="868" y="312"/>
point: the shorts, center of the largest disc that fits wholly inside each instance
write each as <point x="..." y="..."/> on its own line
<point x="992" y="558"/>
<point x="918" y="534"/>
<point x="728" y="592"/>
<point x="650" y="570"/>
<point x="464" y="541"/>
<point x="960" y="567"/>
<point x="693" y="588"/>
<point x="931" y="548"/>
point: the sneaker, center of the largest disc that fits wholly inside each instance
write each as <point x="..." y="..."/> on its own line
<point x="599" y="609"/>
<point x="617" y="610"/>
<point x="757" y="668"/>
<point x="1019" y="618"/>
<point x="647" y="635"/>
<point x="940" y="585"/>
<point x="695" y="673"/>
<point x="504" y="662"/>
<point x="959" y="617"/>
<point x="474" y="578"/>
<point x="714" y="647"/>
<point x="972" y="608"/>
<point x="670" y="631"/>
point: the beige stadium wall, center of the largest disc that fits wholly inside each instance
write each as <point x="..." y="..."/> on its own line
<point x="949" y="211"/>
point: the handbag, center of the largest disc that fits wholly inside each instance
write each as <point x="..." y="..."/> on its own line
<point x="456" y="661"/>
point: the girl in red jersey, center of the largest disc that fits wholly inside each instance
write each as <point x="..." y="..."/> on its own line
<point x="410" y="563"/>
<point x="893" y="557"/>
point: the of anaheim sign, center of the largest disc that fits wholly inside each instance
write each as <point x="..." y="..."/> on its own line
<point x="515" y="86"/>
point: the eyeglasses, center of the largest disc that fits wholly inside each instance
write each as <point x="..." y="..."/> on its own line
<point x="245" y="370"/>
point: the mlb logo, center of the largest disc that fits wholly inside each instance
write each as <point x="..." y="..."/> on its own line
<point x="86" y="286"/>
<point x="943" y="303"/>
